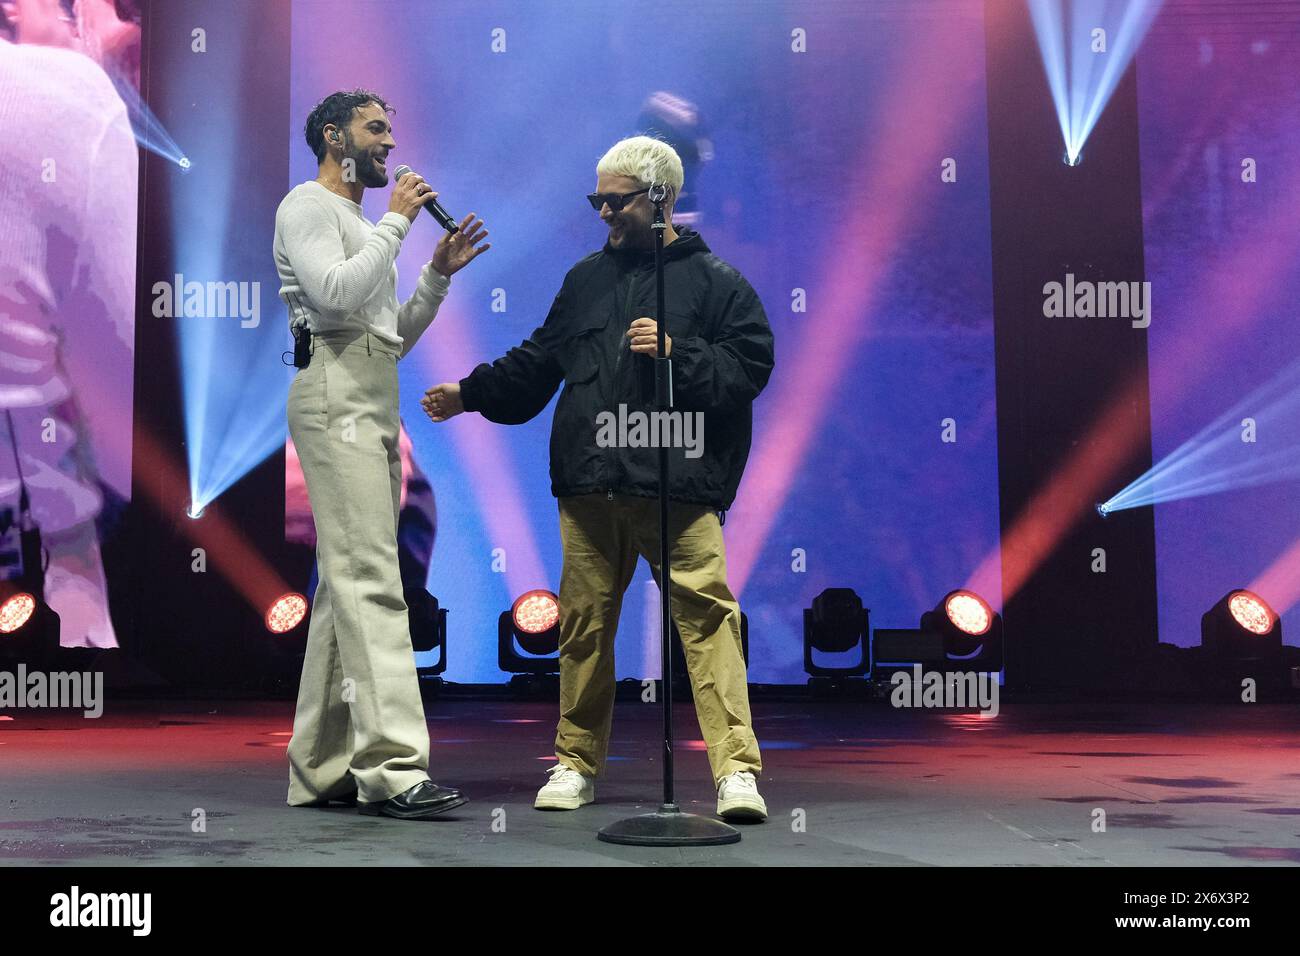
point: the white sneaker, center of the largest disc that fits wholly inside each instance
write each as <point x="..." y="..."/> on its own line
<point x="738" y="798"/>
<point x="566" y="790"/>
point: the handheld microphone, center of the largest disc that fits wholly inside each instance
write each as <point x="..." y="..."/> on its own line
<point x="433" y="208"/>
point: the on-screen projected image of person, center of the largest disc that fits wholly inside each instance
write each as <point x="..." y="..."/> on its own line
<point x="359" y="731"/>
<point x="40" y="22"/>
<point x="596" y="340"/>
<point x="67" y="312"/>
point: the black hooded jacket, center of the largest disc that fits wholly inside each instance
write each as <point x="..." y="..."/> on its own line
<point x="722" y="357"/>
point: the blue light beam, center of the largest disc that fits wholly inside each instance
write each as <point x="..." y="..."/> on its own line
<point x="149" y="131"/>
<point x="1080" y="77"/>
<point x="1219" y="458"/>
<point x="230" y="327"/>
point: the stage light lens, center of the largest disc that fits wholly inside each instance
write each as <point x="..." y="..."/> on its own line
<point x="16" y="611"/>
<point x="536" y="612"/>
<point x="285" y="613"/>
<point x="968" y="612"/>
<point x="1250" y="611"/>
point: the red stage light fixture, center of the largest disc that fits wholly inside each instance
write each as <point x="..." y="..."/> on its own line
<point x="970" y="629"/>
<point x="535" y="612"/>
<point x="1251" y="612"/>
<point x="533" y="622"/>
<point x="968" y="612"/>
<point x="15" y="611"/>
<point x="286" y="612"/>
<point x="1241" y="637"/>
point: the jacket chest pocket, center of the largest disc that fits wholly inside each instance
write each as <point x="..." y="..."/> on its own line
<point x="682" y="324"/>
<point x="580" y="356"/>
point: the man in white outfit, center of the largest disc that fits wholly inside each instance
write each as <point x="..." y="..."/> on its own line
<point x="359" y="732"/>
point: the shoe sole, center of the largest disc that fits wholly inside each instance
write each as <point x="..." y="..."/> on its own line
<point x="744" y="811"/>
<point x="562" y="803"/>
<point x="375" y="810"/>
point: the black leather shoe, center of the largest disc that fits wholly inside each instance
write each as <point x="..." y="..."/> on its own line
<point x="424" y="800"/>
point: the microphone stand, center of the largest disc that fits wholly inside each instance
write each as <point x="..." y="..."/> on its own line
<point x="668" y="826"/>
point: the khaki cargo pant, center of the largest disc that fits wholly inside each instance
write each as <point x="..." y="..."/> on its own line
<point x="602" y="539"/>
<point x="360" y="723"/>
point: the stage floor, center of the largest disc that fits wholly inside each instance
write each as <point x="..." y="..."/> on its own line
<point x="1179" y="784"/>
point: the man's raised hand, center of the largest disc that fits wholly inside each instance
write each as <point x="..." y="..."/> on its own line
<point x="457" y="250"/>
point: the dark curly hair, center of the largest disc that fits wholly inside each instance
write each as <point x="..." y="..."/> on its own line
<point x="337" y="109"/>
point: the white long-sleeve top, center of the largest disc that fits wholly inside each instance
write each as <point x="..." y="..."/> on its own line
<point x="337" y="269"/>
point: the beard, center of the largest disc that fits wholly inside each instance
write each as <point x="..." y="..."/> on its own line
<point x="634" y="235"/>
<point x="368" y="174"/>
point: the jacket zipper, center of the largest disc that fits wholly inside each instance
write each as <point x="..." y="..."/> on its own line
<point x="618" y="362"/>
<point x="631" y="307"/>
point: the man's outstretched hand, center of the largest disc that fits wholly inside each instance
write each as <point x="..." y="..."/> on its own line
<point x="442" y="401"/>
<point x="457" y="250"/>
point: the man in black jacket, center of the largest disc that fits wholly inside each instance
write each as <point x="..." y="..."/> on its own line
<point x="605" y="437"/>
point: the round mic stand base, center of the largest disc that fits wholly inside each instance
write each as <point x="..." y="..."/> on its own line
<point x="668" y="826"/>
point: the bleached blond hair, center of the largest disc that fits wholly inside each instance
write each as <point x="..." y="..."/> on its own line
<point x="645" y="159"/>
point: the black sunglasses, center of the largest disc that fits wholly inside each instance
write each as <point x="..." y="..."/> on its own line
<point x="616" y="200"/>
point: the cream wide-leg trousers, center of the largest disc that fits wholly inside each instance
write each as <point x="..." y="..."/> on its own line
<point x="359" y="725"/>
